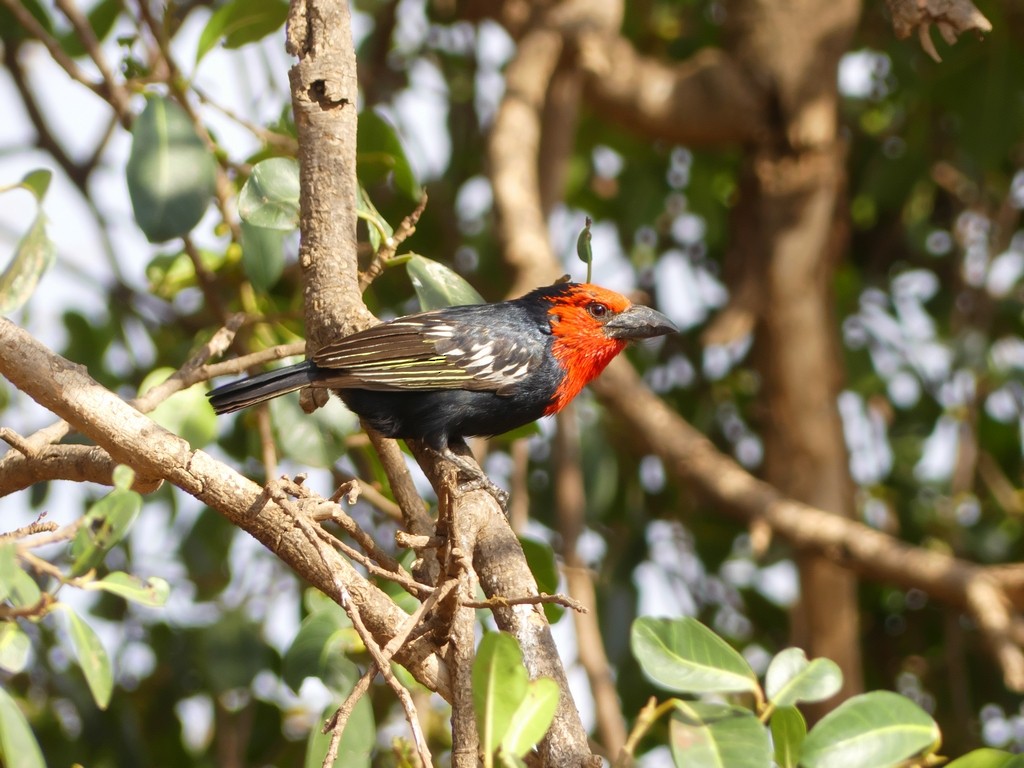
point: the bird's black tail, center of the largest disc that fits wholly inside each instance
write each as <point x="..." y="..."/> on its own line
<point x="256" y="389"/>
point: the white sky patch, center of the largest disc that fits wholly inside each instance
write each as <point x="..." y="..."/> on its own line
<point x="864" y="73"/>
<point x="420" y="113"/>
<point x="938" y="458"/>
<point x="779" y="583"/>
<point x="871" y="457"/>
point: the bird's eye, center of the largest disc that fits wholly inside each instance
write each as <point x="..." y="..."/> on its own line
<point x="597" y="309"/>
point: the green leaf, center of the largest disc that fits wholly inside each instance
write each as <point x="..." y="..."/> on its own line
<point x="788" y="733"/>
<point x="532" y="719"/>
<point x="379" y="152"/>
<point x="298" y="435"/>
<point x="880" y="728"/>
<point x="231" y="651"/>
<point x="357" y="741"/>
<point x="685" y="656"/>
<point x="169" y="273"/>
<point x="377" y="226"/>
<point x="37" y="182"/>
<point x="105" y="524"/>
<point x="703" y="735"/>
<point x="583" y="249"/>
<point x="14" y="647"/>
<point x="791" y="678"/>
<point x="500" y="683"/>
<point x="318" y="651"/>
<point x="187" y="413"/>
<point x="8" y="568"/>
<point x="437" y="286"/>
<point x="239" y="22"/>
<point x="25" y="592"/>
<point x="262" y="255"/>
<point x="540" y="557"/>
<point x="988" y="758"/>
<point x="270" y="196"/>
<point x="152" y="592"/>
<point x="32" y="257"/>
<point x="12" y="32"/>
<point x="92" y="658"/>
<point x="171" y="174"/>
<point x="122" y="477"/>
<point x="101" y="18"/>
<point x="18" y="745"/>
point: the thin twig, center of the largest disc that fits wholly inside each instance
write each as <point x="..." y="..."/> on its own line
<point x="38" y="32"/>
<point x="116" y="94"/>
<point x="542" y="599"/>
<point x="390" y="247"/>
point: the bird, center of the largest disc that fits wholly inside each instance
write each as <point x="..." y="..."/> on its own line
<point x="475" y="370"/>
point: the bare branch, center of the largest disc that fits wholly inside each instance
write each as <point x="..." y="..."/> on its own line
<point x="131" y="438"/>
<point x="952" y="17"/>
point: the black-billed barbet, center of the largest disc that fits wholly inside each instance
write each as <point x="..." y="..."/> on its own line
<point x="475" y="370"/>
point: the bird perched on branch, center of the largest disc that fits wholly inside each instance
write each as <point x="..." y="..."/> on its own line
<point x="475" y="370"/>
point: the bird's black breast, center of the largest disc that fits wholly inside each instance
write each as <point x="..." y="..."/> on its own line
<point x="443" y="415"/>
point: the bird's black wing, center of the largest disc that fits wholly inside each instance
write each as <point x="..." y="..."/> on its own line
<point x="472" y="348"/>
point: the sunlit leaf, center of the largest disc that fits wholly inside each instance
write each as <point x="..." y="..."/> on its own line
<point x="685" y="656"/>
<point x="18" y="745"/>
<point x="878" y="728"/>
<point x="437" y="286"/>
<point x="106" y="523"/>
<point x="169" y="273"/>
<point x="187" y="413"/>
<point x="987" y="758"/>
<point x="533" y="717"/>
<point x="791" y="678"/>
<point x="500" y="683"/>
<point x="788" y="733"/>
<point x="270" y="196"/>
<point x="14" y="647"/>
<point x="152" y="592"/>
<point x="703" y="735"/>
<point x="92" y="658"/>
<point x="8" y="568"/>
<point x="32" y="257"/>
<point x="170" y="171"/>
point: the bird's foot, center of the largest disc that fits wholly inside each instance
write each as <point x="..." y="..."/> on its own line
<point x="484" y="483"/>
<point x="478" y="480"/>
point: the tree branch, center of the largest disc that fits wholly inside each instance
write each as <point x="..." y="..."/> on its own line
<point x="131" y="438"/>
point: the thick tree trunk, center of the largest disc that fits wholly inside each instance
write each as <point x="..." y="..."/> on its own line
<point x="786" y="220"/>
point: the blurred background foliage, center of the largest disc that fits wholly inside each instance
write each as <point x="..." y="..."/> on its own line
<point x="929" y="294"/>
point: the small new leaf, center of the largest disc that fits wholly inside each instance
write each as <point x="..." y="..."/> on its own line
<point x="583" y="249"/>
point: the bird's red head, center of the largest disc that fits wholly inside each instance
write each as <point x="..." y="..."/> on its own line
<point x="591" y="325"/>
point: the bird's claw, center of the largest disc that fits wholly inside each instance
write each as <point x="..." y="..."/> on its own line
<point x="483" y="483"/>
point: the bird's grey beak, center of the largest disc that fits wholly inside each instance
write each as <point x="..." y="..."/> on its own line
<point x="639" y="322"/>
